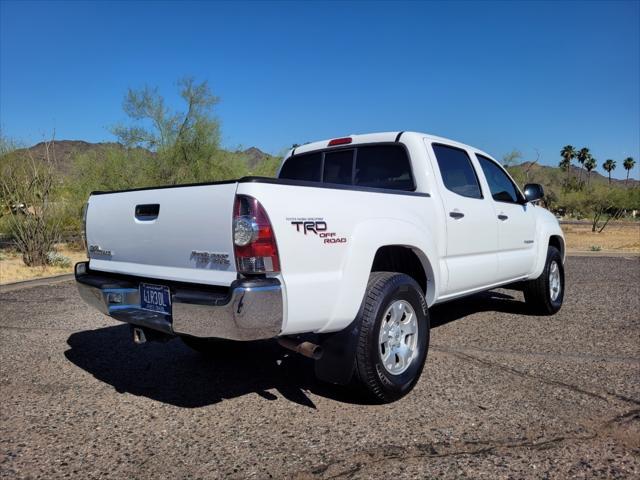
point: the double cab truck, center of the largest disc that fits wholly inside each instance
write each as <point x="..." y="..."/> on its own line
<point x="338" y="258"/>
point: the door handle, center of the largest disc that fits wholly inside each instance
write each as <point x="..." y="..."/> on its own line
<point x="503" y="217"/>
<point x="456" y="215"/>
<point x="148" y="212"/>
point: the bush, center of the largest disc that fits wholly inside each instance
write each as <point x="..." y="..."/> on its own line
<point x="28" y="193"/>
<point x="56" y="259"/>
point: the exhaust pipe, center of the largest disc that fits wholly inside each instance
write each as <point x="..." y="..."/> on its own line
<point x="306" y="349"/>
<point x="138" y="336"/>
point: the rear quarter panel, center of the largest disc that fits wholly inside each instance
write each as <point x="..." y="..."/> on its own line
<point x="325" y="273"/>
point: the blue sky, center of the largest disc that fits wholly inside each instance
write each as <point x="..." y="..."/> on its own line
<point x="497" y="75"/>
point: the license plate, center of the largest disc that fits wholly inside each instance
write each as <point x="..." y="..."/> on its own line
<point x="156" y="298"/>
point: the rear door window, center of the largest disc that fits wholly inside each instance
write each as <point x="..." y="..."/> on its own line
<point x="383" y="166"/>
<point x="457" y="172"/>
<point x="307" y="167"/>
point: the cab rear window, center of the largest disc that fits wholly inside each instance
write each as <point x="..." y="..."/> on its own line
<point x="306" y="167"/>
<point x="373" y="166"/>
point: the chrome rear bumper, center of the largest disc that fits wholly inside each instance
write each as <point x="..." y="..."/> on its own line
<point x="247" y="310"/>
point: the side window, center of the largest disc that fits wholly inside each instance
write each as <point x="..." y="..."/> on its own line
<point x="302" y="167"/>
<point x="383" y="166"/>
<point x="338" y="167"/>
<point x="501" y="186"/>
<point x="457" y="171"/>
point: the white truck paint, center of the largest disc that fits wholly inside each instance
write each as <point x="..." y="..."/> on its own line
<point x="464" y="244"/>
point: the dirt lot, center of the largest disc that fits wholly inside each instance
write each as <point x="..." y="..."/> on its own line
<point x="618" y="237"/>
<point x="503" y="395"/>
<point x="12" y="268"/>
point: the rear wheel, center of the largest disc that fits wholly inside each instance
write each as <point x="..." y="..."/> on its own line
<point x="544" y="295"/>
<point x="393" y="338"/>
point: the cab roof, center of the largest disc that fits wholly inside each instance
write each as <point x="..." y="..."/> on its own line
<point x="397" y="136"/>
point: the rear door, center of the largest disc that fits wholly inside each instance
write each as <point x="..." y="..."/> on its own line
<point x="516" y="222"/>
<point x="178" y="233"/>
<point x="472" y="230"/>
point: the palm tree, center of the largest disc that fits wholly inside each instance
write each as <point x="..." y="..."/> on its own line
<point x="609" y="165"/>
<point x="567" y="153"/>
<point x="582" y="156"/>
<point x="628" y="165"/>
<point x="589" y="164"/>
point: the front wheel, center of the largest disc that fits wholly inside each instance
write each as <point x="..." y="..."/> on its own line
<point x="544" y="295"/>
<point x="393" y="338"/>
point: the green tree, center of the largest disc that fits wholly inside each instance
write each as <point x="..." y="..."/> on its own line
<point x="185" y="142"/>
<point x="608" y="204"/>
<point x="589" y="164"/>
<point x="158" y="127"/>
<point x="567" y="153"/>
<point x="512" y="158"/>
<point x="582" y="156"/>
<point x="7" y="145"/>
<point x="628" y="165"/>
<point x="609" y="166"/>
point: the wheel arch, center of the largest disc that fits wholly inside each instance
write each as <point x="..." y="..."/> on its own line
<point x="366" y="240"/>
<point x="409" y="260"/>
<point x="549" y="234"/>
<point x="558" y="242"/>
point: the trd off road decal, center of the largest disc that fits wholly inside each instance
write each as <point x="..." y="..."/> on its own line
<point x="317" y="227"/>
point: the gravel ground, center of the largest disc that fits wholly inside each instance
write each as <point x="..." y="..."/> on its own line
<point x="503" y="395"/>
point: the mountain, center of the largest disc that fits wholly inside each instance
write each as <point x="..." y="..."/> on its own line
<point x="254" y="157"/>
<point x="554" y="176"/>
<point x="63" y="152"/>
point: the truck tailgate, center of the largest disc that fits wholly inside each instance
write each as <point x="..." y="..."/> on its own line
<point x="176" y="233"/>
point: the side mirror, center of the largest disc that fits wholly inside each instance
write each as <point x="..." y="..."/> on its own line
<point x="533" y="192"/>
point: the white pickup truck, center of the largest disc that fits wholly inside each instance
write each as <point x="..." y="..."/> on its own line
<point x="338" y="258"/>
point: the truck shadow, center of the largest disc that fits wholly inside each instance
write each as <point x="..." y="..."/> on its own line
<point x="174" y="374"/>
<point x="492" y="301"/>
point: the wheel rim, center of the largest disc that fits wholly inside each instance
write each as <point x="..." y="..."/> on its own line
<point x="555" y="283"/>
<point x="398" y="340"/>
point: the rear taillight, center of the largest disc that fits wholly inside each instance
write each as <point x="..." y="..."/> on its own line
<point x="254" y="242"/>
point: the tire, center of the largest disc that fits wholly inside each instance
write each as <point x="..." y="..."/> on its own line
<point x="211" y="347"/>
<point x="538" y="292"/>
<point x="388" y="380"/>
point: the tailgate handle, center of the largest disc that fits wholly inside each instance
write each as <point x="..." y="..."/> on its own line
<point x="147" y="212"/>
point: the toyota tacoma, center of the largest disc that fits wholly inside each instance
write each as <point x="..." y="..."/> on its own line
<point x="339" y="258"/>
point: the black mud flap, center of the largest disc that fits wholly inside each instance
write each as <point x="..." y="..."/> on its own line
<point x="339" y="355"/>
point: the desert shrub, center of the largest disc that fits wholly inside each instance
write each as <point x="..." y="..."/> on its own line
<point x="28" y="194"/>
<point x="56" y="259"/>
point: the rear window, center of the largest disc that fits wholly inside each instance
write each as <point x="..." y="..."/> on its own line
<point x="338" y="167"/>
<point x="306" y="167"/>
<point x="375" y="166"/>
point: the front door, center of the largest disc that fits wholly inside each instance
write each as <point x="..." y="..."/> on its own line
<point x="472" y="228"/>
<point x="516" y="223"/>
